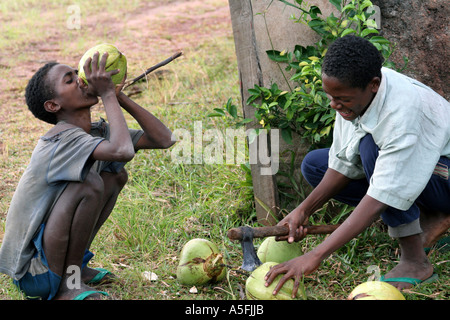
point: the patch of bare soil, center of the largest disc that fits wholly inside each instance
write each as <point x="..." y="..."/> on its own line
<point x="155" y="28"/>
<point x="158" y="28"/>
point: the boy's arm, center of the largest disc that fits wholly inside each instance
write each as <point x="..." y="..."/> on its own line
<point x="332" y="182"/>
<point x="156" y="134"/>
<point x="367" y="211"/>
<point x="119" y="147"/>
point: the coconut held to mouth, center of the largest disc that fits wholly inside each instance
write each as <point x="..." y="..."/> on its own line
<point x="115" y="60"/>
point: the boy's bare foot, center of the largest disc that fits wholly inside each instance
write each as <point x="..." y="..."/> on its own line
<point x="88" y="275"/>
<point x="72" y="294"/>
<point x="413" y="263"/>
<point x="421" y="271"/>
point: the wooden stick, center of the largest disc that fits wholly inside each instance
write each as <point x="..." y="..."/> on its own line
<point x="262" y="232"/>
<point x="151" y="69"/>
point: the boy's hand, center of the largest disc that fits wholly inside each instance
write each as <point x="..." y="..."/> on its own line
<point x="294" y="269"/>
<point x="98" y="78"/>
<point x="294" y="221"/>
<point x="120" y="86"/>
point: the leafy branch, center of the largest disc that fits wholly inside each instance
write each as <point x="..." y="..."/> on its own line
<point x="304" y="108"/>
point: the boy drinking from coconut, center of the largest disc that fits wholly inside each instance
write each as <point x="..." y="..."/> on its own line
<point x="389" y="157"/>
<point x="74" y="177"/>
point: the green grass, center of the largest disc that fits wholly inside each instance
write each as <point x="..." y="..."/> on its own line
<point x="166" y="204"/>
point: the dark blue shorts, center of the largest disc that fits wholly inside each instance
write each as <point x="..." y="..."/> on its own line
<point x="40" y="282"/>
<point x="435" y="196"/>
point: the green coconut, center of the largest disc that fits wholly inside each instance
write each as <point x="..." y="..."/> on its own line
<point x="375" y="290"/>
<point x="278" y="251"/>
<point x="115" y="60"/>
<point x="200" y="263"/>
<point x="256" y="290"/>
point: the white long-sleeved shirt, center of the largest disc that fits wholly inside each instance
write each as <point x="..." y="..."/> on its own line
<point x="410" y="123"/>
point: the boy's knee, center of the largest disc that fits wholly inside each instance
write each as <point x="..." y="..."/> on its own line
<point x="93" y="183"/>
<point x="368" y="149"/>
<point x="314" y="166"/>
<point x="369" y="153"/>
<point x="115" y="180"/>
<point x="122" y="177"/>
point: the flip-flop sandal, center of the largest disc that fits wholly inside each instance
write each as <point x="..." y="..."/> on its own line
<point x="100" y="277"/>
<point x="412" y="281"/>
<point x="86" y="294"/>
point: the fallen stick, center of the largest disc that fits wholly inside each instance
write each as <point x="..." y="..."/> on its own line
<point x="151" y="69"/>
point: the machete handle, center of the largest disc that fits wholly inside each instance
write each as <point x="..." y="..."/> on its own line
<point x="262" y="232"/>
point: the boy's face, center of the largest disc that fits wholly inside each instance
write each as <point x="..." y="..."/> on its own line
<point x="349" y="102"/>
<point x="70" y="93"/>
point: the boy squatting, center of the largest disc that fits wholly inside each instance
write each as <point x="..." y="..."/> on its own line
<point x="389" y="157"/>
<point x="73" y="179"/>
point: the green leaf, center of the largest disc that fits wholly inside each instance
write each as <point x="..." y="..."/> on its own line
<point x="317" y="137"/>
<point x="316" y="117"/>
<point x="219" y="111"/>
<point x="350" y="6"/>
<point x="318" y="99"/>
<point x="366" y="32"/>
<point x="317" y="25"/>
<point x="276" y="56"/>
<point x="211" y="115"/>
<point x="379" y="40"/>
<point x="296" y="76"/>
<point x="365" y="4"/>
<point x="378" y="46"/>
<point x="336" y="3"/>
<point x="361" y="17"/>
<point x="370" y="23"/>
<point x="287" y="104"/>
<point x="232" y="110"/>
<point x="251" y="99"/>
<point x="347" y="31"/>
<point x="289" y="114"/>
<point x="314" y="11"/>
<point x="254" y="91"/>
<point x="325" y="131"/>
<point x="274" y="87"/>
<point x="244" y="122"/>
<point x="325" y="117"/>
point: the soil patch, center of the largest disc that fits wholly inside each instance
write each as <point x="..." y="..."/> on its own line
<point x="157" y="28"/>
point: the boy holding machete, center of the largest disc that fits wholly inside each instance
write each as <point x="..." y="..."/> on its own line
<point x="72" y="182"/>
<point x="390" y="157"/>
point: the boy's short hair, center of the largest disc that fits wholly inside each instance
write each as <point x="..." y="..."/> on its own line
<point x="353" y="60"/>
<point x="38" y="91"/>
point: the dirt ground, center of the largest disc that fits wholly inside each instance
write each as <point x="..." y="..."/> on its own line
<point x="161" y="27"/>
